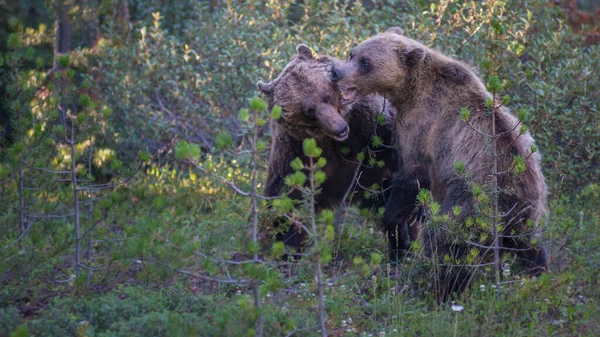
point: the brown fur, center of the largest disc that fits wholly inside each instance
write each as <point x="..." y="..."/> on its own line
<point x="429" y="89"/>
<point x="310" y="109"/>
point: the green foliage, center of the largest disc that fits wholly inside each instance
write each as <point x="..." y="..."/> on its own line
<point x="223" y="140"/>
<point x="257" y="104"/>
<point x="63" y="61"/>
<point x="276" y="112"/>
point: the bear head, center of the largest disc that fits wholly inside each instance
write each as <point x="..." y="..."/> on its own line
<point x="381" y="64"/>
<point x="309" y="100"/>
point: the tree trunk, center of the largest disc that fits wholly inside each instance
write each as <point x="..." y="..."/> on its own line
<point x="62" y="31"/>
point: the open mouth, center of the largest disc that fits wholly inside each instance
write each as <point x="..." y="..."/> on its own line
<point x="348" y="96"/>
<point x="342" y="135"/>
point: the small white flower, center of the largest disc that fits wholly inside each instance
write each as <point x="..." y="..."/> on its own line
<point x="349" y="320"/>
<point x="239" y="292"/>
<point x="482" y="287"/>
<point x="382" y="334"/>
<point x="457" y="307"/>
<point x="268" y="294"/>
<point x="395" y="330"/>
<point x="371" y="230"/>
<point x="343" y="323"/>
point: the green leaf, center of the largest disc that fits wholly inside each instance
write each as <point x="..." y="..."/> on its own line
<point x="21" y="331"/>
<point x="326" y="254"/>
<point x="376" y="141"/>
<point x="295" y="179"/>
<point x="494" y="85"/>
<point x="261" y="145"/>
<point x="194" y="151"/>
<point x="107" y="112"/>
<point x="376" y="258"/>
<point x="13" y="41"/>
<point x="321" y="162"/>
<point x="244" y="115"/>
<point x="116" y="164"/>
<point x="257" y="104"/>
<point x="86" y="83"/>
<point x="329" y="233"/>
<point x="459" y="166"/>
<point x="327" y="216"/>
<point x="182" y="149"/>
<point x="486" y="63"/>
<point x="85" y="100"/>
<point x="276" y="112"/>
<point x="310" y="148"/>
<point x="360" y="156"/>
<point x="223" y="140"/>
<point x="320" y="177"/>
<point x="144" y="156"/>
<point x="283" y="204"/>
<point x="519" y="164"/>
<point x="277" y="249"/>
<point x="253" y="247"/>
<point x="522" y="114"/>
<point x="297" y="164"/>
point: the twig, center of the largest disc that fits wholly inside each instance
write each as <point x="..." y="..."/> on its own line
<point x="342" y="208"/>
<point x="230" y="183"/>
<point x="214" y="279"/>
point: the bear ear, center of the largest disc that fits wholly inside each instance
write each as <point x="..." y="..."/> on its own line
<point x="412" y="56"/>
<point x="305" y="52"/>
<point x="266" y="88"/>
<point x="396" y="30"/>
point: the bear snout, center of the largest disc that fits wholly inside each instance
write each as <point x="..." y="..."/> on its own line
<point x="336" y="74"/>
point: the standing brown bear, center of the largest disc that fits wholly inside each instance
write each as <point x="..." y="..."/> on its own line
<point x="429" y="90"/>
<point x="310" y="109"/>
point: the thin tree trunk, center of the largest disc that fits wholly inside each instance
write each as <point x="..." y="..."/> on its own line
<point x="496" y="193"/>
<point x="62" y="31"/>
<point x="255" y="286"/>
<point x="90" y="217"/>
<point x="318" y="271"/>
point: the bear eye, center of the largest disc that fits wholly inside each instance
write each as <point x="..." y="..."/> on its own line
<point x="364" y="63"/>
<point x="310" y="112"/>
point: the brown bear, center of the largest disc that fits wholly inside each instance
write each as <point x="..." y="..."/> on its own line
<point x="310" y="109"/>
<point x="429" y="90"/>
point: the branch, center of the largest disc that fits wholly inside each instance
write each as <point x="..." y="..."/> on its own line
<point x="230" y="183"/>
<point x="214" y="279"/>
<point x="343" y="206"/>
<point x="17" y="240"/>
<point x="227" y="261"/>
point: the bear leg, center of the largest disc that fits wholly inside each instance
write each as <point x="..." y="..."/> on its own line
<point x="535" y="259"/>
<point x="401" y="210"/>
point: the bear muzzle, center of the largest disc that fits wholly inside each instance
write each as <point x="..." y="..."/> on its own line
<point x="332" y="123"/>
